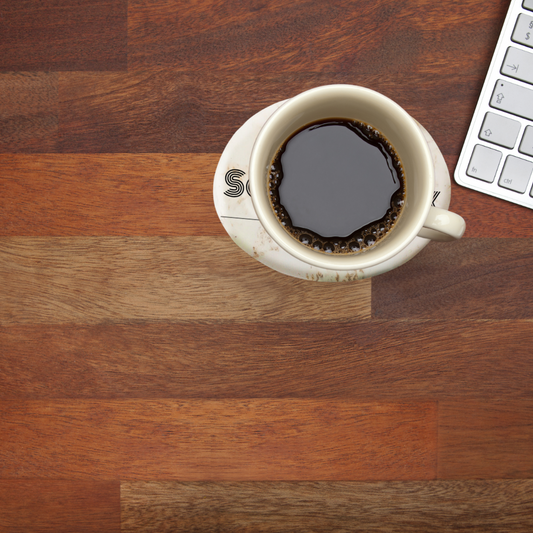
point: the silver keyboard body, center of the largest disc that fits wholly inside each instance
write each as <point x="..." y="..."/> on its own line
<point x="497" y="156"/>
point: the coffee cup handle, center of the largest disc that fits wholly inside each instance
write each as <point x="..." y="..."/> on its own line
<point x="442" y="225"/>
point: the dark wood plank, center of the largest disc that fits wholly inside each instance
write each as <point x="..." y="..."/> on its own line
<point x="485" y="439"/>
<point x="154" y="111"/>
<point x="108" y="195"/>
<point x="64" y="506"/>
<point x="487" y="216"/>
<point x="233" y="440"/>
<point x="63" y="35"/>
<point x="441" y="506"/>
<point x="84" y="280"/>
<point x="162" y="110"/>
<point x="339" y="36"/>
<point x="363" y="360"/>
<point x="469" y="278"/>
<point x="28" y="112"/>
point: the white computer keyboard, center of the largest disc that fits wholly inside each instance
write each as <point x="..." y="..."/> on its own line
<point x="497" y="156"/>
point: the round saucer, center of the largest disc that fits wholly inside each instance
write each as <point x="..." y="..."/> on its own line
<point x="233" y="203"/>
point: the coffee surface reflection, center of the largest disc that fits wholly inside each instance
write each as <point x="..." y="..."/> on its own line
<point x="337" y="186"/>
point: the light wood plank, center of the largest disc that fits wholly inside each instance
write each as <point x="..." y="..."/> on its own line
<point x="443" y="506"/>
<point x="59" y="506"/>
<point x="365" y="360"/>
<point x="102" y="279"/>
<point x="105" y="194"/>
<point x="233" y="440"/>
<point x="484" y="440"/>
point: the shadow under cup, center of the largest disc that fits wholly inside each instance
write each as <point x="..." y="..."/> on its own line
<point x="364" y="105"/>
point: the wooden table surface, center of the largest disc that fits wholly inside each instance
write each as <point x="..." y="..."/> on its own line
<point x="153" y="376"/>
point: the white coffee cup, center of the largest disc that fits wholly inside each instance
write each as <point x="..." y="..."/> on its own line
<point x="418" y="218"/>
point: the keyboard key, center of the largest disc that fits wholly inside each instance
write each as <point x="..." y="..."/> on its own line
<point x="528" y="4"/>
<point x="526" y="146"/>
<point x="484" y="163"/>
<point x="518" y="64"/>
<point x="499" y="130"/>
<point x="523" y="30"/>
<point x="516" y="174"/>
<point x="513" y="98"/>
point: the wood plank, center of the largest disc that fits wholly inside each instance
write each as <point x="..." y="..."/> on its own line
<point x="485" y="439"/>
<point x="363" y="360"/>
<point x="155" y="194"/>
<point x="90" y="280"/>
<point x="38" y="505"/>
<point x="441" y="506"/>
<point x="487" y="216"/>
<point x="141" y="194"/>
<point x="28" y="111"/>
<point x="155" y="110"/>
<point x="233" y="440"/>
<point x="340" y="36"/>
<point x="118" y="194"/>
<point x="63" y="35"/>
<point x="469" y="278"/>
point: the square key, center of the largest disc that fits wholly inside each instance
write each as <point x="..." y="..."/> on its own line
<point x="516" y="174"/>
<point x="500" y="130"/>
<point x="518" y="64"/>
<point x="522" y="31"/>
<point x="484" y="163"/>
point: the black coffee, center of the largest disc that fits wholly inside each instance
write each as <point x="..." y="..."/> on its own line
<point x="337" y="186"/>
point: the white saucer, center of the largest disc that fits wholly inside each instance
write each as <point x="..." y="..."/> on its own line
<point x="234" y="207"/>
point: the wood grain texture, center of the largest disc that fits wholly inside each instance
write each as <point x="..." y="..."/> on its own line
<point x="470" y="278"/>
<point x="126" y="194"/>
<point x="167" y="111"/>
<point x="142" y="350"/>
<point x="61" y="506"/>
<point x="487" y="216"/>
<point x="485" y="439"/>
<point x="118" y="279"/>
<point x="156" y="194"/>
<point x="29" y="112"/>
<point x="363" y="360"/>
<point x="188" y="107"/>
<point x="439" y="506"/>
<point x="140" y="194"/>
<point x="232" y="440"/>
<point x="339" y="36"/>
<point x="63" y="35"/>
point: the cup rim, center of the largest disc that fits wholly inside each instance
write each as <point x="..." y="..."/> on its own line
<point x="258" y="170"/>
